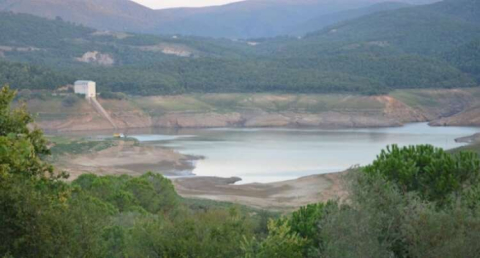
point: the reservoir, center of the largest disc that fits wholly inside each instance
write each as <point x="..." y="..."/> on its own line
<point x="270" y="155"/>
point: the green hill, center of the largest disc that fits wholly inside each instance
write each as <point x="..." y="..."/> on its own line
<point x="466" y="58"/>
<point x="425" y="30"/>
<point x="25" y="76"/>
<point x="378" y="53"/>
<point x="325" y="20"/>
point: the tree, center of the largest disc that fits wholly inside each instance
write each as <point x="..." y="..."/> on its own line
<point x="31" y="194"/>
<point x="430" y="172"/>
<point x="280" y="242"/>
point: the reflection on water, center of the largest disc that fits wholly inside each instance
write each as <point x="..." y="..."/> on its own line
<point x="268" y="155"/>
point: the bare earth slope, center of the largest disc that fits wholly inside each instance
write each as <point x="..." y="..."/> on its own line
<point x="469" y="117"/>
<point x="286" y="195"/>
<point x="125" y="158"/>
<point x="440" y="107"/>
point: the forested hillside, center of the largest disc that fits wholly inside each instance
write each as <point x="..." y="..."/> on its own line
<point x="422" y="30"/>
<point x="325" y="20"/>
<point x="467" y="58"/>
<point x="413" y="47"/>
<point x="25" y="76"/>
<point x="243" y="19"/>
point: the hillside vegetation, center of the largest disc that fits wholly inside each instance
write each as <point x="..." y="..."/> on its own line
<point x="25" y="76"/>
<point x="415" y="47"/>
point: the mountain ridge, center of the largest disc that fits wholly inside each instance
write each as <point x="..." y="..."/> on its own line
<point x="247" y="19"/>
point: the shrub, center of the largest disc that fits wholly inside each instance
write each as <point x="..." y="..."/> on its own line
<point x="70" y="100"/>
<point x="429" y="232"/>
<point x="280" y="243"/>
<point x="113" y="95"/>
<point x="24" y="95"/>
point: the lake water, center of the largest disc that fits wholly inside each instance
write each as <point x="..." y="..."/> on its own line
<point x="270" y="155"/>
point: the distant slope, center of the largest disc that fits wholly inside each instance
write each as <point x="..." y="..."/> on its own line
<point x="430" y="29"/>
<point x="467" y="10"/>
<point x="25" y="37"/>
<point x="119" y="15"/>
<point x="152" y="65"/>
<point x="466" y="58"/>
<point x="250" y="19"/>
<point x="332" y="18"/>
<point x="247" y="19"/>
<point x="23" y="30"/>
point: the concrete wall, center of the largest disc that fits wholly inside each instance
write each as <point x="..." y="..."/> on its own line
<point x="87" y="88"/>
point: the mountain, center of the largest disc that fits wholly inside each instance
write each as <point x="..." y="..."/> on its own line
<point x="332" y="18"/>
<point x="466" y="58"/>
<point x="375" y="54"/>
<point x="427" y="30"/>
<point x="118" y="15"/>
<point x="467" y="10"/>
<point x="247" y="19"/>
<point x="250" y="19"/>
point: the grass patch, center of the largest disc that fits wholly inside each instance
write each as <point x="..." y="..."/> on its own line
<point x="162" y="105"/>
<point x="415" y="98"/>
<point x="474" y="147"/>
<point x="64" y="146"/>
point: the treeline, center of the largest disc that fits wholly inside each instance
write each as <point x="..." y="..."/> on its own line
<point x="356" y="73"/>
<point x="416" y="201"/>
<point x="365" y="73"/>
<point x="26" y="76"/>
<point x="25" y="30"/>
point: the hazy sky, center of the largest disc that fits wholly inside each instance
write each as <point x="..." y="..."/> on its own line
<point x="161" y="4"/>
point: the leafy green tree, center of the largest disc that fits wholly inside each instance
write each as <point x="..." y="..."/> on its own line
<point x="215" y="233"/>
<point x="31" y="195"/>
<point x="428" y="171"/>
<point x="280" y="242"/>
<point x="306" y="223"/>
<point x="411" y="202"/>
<point x="40" y="215"/>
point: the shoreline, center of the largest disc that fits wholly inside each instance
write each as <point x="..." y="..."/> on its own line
<point x="135" y="158"/>
<point x="279" y="196"/>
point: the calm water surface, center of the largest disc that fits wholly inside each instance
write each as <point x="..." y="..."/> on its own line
<point x="269" y="155"/>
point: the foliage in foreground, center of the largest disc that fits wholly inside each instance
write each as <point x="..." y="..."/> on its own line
<point x="411" y="202"/>
<point x="42" y="216"/>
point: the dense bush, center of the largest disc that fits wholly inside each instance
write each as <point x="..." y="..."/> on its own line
<point x="430" y="172"/>
<point x="113" y="95"/>
<point x="70" y="100"/>
<point x="33" y="77"/>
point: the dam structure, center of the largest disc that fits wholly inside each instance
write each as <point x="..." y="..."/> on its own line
<point x="88" y="88"/>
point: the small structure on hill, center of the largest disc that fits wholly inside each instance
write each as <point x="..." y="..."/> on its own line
<point x="87" y="88"/>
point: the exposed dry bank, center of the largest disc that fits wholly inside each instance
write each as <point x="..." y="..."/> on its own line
<point x="125" y="158"/>
<point x="286" y="195"/>
<point x="441" y="107"/>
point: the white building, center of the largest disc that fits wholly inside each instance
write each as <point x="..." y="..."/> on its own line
<point x="87" y="88"/>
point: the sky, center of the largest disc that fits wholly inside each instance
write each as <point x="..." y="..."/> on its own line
<point x="162" y="4"/>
